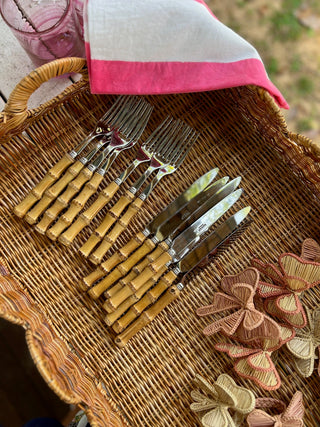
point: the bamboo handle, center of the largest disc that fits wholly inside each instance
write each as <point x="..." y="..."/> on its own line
<point x="133" y="244"/>
<point x="140" y="303"/>
<point x="112" y="215"/>
<point x="126" y="266"/>
<point x="68" y="176"/>
<point x="79" y="202"/>
<point x="161" y="248"/>
<point x="147" y="316"/>
<point x="117" y="230"/>
<point x="38" y="209"/>
<point x="61" y="203"/>
<point x="49" y="216"/>
<point x="113" y="290"/>
<point x="54" y="232"/>
<point x="36" y="193"/>
<point x="89" y="189"/>
<point x="44" y="224"/>
<point x="125" y="251"/>
<point x="105" y="284"/>
<point x="112" y="303"/>
<point x="104" y="197"/>
<point x="53" y="192"/>
<point x="88" y="247"/>
<point x="93" y="277"/>
<point x="71" y="233"/>
<point x="149" y="271"/>
<point x="114" y="316"/>
<point x="119" y="272"/>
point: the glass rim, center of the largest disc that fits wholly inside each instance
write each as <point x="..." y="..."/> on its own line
<point x="37" y="33"/>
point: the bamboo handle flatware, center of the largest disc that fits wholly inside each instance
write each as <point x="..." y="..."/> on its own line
<point x="188" y="263"/>
<point x="56" y="171"/>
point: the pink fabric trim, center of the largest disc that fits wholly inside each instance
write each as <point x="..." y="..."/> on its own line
<point x="141" y="78"/>
<point x="207" y="7"/>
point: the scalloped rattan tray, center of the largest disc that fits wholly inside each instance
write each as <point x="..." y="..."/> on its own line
<point x="148" y="382"/>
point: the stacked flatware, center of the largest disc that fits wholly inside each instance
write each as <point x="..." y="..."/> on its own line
<point x="129" y="278"/>
<point x="63" y="195"/>
<point x="115" y="117"/>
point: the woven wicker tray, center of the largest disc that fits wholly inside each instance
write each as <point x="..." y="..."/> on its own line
<point x="148" y="382"/>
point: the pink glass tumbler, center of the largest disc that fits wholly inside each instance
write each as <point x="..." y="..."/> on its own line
<point x="46" y="29"/>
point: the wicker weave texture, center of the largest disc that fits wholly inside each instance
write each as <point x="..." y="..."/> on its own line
<point x="149" y="381"/>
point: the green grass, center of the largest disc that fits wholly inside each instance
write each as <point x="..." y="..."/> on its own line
<point x="305" y="124"/>
<point x="305" y="86"/>
<point x="285" y="26"/>
<point x="296" y="64"/>
<point x="272" y="66"/>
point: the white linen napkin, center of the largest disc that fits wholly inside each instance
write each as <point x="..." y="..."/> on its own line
<point x="166" y="46"/>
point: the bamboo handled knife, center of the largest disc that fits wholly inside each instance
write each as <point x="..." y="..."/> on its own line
<point x="183" y="267"/>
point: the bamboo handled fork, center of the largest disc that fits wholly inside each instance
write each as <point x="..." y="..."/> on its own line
<point x="127" y="120"/>
<point x="101" y="129"/>
<point x="145" y="153"/>
<point x="181" y="141"/>
<point x="94" y="175"/>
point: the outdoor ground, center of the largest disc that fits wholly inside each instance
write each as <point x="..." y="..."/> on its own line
<point x="286" y="34"/>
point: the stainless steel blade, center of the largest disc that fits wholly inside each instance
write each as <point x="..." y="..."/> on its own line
<point x="193" y="211"/>
<point x="212" y="242"/>
<point x="188" y="238"/>
<point x="199" y="185"/>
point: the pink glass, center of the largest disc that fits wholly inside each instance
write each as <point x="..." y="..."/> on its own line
<point x="46" y="29"/>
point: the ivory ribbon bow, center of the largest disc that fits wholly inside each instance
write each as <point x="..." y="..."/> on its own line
<point x="256" y="363"/>
<point x="282" y="296"/>
<point x="247" y="321"/>
<point x="303" y="346"/>
<point x="213" y="406"/>
<point x="291" y="417"/>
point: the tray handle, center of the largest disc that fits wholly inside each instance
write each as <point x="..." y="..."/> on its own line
<point x="16" y="110"/>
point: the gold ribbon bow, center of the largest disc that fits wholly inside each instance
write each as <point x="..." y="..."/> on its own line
<point x="291" y="417"/>
<point x="247" y="320"/>
<point x="212" y="403"/>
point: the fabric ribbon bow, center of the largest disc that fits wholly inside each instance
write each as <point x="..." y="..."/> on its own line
<point x="256" y="363"/>
<point x="282" y="296"/>
<point x="247" y="322"/>
<point x="213" y="402"/>
<point x="291" y="417"/>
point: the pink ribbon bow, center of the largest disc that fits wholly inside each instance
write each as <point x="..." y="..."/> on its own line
<point x="291" y="417"/>
<point x="247" y="322"/>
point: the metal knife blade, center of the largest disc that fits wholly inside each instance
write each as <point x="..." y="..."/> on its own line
<point x="199" y="185"/>
<point x="211" y="242"/>
<point x="193" y="211"/>
<point x="188" y="238"/>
